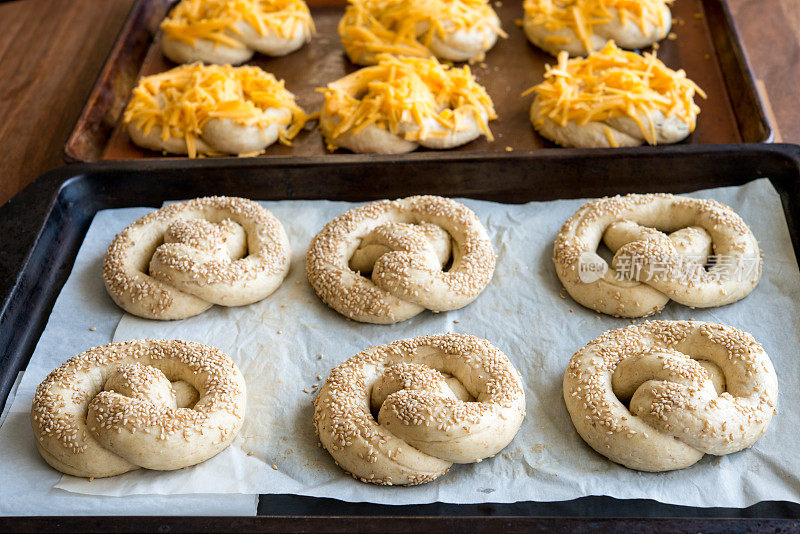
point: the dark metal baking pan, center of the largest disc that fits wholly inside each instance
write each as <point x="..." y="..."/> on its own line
<point x="707" y="47"/>
<point x="45" y="224"/>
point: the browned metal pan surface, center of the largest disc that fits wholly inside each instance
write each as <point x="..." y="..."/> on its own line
<point x="704" y="44"/>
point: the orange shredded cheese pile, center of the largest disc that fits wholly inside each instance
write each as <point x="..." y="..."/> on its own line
<point x="406" y="27"/>
<point x="401" y="89"/>
<point x="583" y="15"/>
<point x="215" y="20"/>
<point x="616" y="83"/>
<point x="181" y="101"/>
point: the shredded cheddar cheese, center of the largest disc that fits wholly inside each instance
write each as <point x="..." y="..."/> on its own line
<point x="216" y="20"/>
<point x="402" y="90"/>
<point x="182" y="100"/>
<point x="406" y="27"/>
<point x="616" y="83"/>
<point x="581" y="16"/>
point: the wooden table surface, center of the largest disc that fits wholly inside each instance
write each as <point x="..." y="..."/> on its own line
<point x="51" y="51"/>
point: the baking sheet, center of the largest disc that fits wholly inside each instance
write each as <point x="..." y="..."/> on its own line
<point x="276" y="343"/>
<point x="706" y="46"/>
<point x="26" y="481"/>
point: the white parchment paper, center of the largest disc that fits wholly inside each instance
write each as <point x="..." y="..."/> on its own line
<point x="26" y="481"/>
<point x="276" y="343"/>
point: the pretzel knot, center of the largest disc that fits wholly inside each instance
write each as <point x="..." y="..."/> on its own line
<point x="709" y="258"/>
<point x="368" y="111"/>
<point x="452" y="30"/>
<point x="178" y="261"/>
<point x="153" y="404"/>
<point x="660" y="395"/>
<point x="225" y="32"/>
<point x="556" y="26"/>
<point x="403" y="413"/>
<point x="405" y="244"/>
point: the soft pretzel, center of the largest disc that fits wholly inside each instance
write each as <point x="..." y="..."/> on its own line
<point x="650" y="267"/>
<point x="150" y="404"/>
<point x="659" y="395"/>
<point x="454" y="30"/>
<point x="614" y="98"/>
<point x="212" y="110"/>
<point x="439" y="400"/>
<point x="178" y="261"/>
<point x="580" y="27"/>
<point x="402" y="103"/>
<point x="405" y="245"/>
<point x="231" y="31"/>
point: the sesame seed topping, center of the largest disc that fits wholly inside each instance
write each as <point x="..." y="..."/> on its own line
<point x="419" y="412"/>
<point x="651" y="267"/>
<point x="177" y="261"/>
<point x="632" y="388"/>
<point x="111" y="398"/>
<point x="404" y="245"/>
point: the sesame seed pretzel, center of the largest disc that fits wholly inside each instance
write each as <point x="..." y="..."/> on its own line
<point x="438" y="400"/>
<point x="150" y="404"/>
<point x="408" y="277"/>
<point x="553" y="25"/>
<point x="229" y="32"/>
<point x="660" y="395"/>
<point x="180" y="260"/>
<point x="649" y="267"/>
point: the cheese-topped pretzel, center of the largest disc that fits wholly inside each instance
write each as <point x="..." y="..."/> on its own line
<point x="231" y="31"/>
<point x="404" y="244"/>
<point x="178" y="261"/>
<point x="660" y="395"/>
<point x="212" y="110"/>
<point x="454" y="30"/>
<point x="154" y="404"/>
<point x="579" y="27"/>
<point x="651" y="267"/>
<point x="402" y="103"/>
<point x="614" y="98"/>
<point x="439" y="400"/>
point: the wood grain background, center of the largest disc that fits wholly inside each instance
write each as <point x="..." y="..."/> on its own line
<point x="51" y="51"/>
